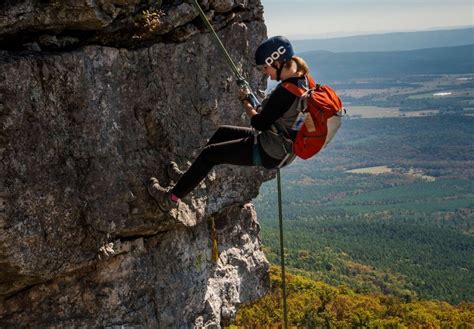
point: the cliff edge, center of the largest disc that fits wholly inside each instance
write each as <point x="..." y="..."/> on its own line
<point x="96" y="97"/>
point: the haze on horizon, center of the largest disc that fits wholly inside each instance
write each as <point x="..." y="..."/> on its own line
<point x="300" y="19"/>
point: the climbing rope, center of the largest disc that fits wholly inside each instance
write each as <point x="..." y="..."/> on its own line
<point x="218" y="41"/>
<point x="282" y="251"/>
<point x="255" y="103"/>
<point x="240" y="79"/>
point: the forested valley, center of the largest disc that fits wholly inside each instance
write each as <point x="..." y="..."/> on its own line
<point x="405" y="231"/>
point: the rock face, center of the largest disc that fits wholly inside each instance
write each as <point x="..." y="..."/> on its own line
<point x="96" y="97"/>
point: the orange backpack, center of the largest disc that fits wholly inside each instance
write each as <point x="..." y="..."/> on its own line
<point x="323" y="108"/>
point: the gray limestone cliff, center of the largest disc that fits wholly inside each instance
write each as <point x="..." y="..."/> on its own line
<point x="96" y="96"/>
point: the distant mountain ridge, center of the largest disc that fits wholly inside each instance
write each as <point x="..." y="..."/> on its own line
<point x="390" y="41"/>
<point x="328" y="66"/>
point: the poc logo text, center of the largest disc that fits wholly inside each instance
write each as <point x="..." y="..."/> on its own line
<point x="275" y="55"/>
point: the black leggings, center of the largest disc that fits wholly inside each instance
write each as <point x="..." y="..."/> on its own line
<point x="229" y="145"/>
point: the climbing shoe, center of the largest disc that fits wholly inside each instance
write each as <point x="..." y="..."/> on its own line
<point x="161" y="195"/>
<point x="174" y="172"/>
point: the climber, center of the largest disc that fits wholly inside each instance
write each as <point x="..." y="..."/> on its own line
<point x="235" y="145"/>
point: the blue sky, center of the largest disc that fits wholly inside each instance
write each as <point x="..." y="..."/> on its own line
<point x="346" y="17"/>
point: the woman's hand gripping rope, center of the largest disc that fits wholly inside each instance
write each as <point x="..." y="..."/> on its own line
<point x="249" y="100"/>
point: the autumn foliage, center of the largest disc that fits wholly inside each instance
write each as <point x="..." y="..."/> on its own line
<point x="314" y="304"/>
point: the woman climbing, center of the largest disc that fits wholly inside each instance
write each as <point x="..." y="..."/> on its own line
<point x="277" y="121"/>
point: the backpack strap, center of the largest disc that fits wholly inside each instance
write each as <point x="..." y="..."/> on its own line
<point x="298" y="91"/>
<point x="293" y="89"/>
<point x="311" y="83"/>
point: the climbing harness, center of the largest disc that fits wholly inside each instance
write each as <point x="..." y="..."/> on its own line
<point x="256" y="158"/>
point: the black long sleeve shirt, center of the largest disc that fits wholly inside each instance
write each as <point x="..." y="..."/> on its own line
<point x="278" y="103"/>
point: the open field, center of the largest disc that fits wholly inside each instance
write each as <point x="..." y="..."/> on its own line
<point x="370" y="112"/>
<point x="378" y="170"/>
<point x="371" y="170"/>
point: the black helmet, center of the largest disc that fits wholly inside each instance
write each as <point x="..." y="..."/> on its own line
<point x="275" y="48"/>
